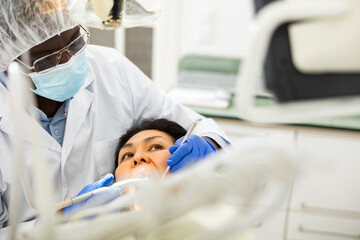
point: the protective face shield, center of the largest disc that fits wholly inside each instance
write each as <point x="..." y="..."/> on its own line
<point x="109" y="14"/>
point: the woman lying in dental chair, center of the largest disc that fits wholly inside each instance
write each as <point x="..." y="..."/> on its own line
<point x="145" y="151"/>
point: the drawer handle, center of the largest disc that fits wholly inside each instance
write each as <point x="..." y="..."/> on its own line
<point x="328" y="233"/>
<point x="334" y="212"/>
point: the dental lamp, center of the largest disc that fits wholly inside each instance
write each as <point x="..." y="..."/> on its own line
<point x="112" y="14"/>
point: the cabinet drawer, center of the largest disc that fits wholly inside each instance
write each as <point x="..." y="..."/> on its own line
<point x="329" y="174"/>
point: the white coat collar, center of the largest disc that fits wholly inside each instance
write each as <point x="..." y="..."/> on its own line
<point x="78" y="109"/>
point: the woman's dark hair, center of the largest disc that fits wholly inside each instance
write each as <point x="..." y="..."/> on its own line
<point x="172" y="128"/>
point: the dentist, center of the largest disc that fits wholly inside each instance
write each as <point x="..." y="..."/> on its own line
<point x="87" y="97"/>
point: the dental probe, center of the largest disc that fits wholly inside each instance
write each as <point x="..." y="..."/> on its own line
<point x="87" y="195"/>
<point x="185" y="138"/>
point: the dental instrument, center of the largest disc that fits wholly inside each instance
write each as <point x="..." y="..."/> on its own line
<point x="21" y="101"/>
<point x="85" y="196"/>
<point x="185" y="138"/>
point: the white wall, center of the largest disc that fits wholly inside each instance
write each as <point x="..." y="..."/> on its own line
<point x="166" y="44"/>
<point x="214" y="27"/>
<point x="209" y="27"/>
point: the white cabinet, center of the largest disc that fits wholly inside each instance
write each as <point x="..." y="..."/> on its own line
<point x="329" y="173"/>
<point x="324" y="202"/>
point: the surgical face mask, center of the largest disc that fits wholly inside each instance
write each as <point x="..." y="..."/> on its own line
<point x="62" y="82"/>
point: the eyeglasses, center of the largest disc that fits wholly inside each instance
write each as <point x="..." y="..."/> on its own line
<point x="48" y="62"/>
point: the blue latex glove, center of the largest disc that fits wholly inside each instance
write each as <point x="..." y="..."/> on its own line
<point x="192" y="150"/>
<point x="97" y="199"/>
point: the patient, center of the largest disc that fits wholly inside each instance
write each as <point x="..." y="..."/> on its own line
<point x="144" y="149"/>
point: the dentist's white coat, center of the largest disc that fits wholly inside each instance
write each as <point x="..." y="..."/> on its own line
<point x="116" y="94"/>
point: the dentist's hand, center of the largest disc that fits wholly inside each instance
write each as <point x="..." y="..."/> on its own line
<point x="97" y="199"/>
<point x="192" y="150"/>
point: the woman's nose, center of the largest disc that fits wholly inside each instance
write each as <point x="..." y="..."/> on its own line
<point x="140" y="160"/>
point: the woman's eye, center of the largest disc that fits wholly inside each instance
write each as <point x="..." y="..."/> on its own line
<point x="126" y="156"/>
<point x="155" y="147"/>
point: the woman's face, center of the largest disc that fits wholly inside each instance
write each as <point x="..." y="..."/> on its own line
<point x="144" y="155"/>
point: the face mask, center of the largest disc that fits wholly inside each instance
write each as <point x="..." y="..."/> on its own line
<point x="62" y="82"/>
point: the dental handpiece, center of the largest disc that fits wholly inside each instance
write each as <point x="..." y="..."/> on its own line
<point x="184" y="140"/>
<point x="85" y="196"/>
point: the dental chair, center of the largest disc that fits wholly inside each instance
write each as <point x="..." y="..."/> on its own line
<point x="308" y="55"/>
<point x="314" y="59"/>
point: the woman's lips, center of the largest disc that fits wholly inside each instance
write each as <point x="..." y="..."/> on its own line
<point x="144" y="172"/>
